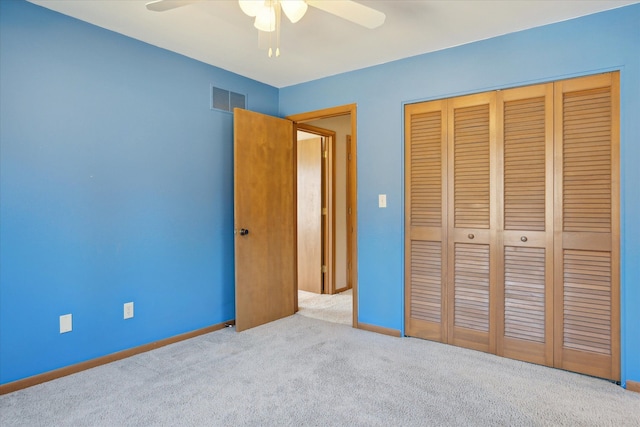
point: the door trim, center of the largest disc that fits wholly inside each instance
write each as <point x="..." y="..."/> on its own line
<point x="343" y="110"/>
<point x="349" y="214"/>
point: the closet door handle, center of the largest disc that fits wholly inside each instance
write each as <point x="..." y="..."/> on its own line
<point x="524" y="238"/>
<point x="471" y="236"/>
<point x="244" y="231"/>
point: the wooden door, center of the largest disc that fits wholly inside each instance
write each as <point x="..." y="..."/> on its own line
<point x="310" y="218"/>
<point x="525" y="240"/>
<point x="265" y="207"/>
<point x="512" y="227"/>
<point x="472" y="221"/>
<point x="426" y="220"/>
<point x="587" y="226"/>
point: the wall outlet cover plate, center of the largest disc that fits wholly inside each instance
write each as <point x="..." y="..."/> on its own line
<point x="128" y="310"/>
<point x="65" y="323"/>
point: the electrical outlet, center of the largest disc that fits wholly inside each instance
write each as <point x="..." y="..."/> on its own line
<point x="128" y="310"/>
<point x="65" y="323"/>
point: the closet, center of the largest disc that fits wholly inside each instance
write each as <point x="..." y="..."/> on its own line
<point x="512" y="223"/>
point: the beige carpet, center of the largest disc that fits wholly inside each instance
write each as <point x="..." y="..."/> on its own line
<point x="335" y="308"/>
<point x="299" y="371"/>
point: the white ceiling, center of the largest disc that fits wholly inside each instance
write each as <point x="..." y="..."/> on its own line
<point x="218" y="33"/>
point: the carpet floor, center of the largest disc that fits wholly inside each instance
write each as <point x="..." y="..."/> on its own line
<point x="300" y="371"/>
<point x="336" y="308"/>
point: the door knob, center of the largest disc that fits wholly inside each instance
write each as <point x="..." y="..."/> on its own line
<point x="244" y="231"/>
<point x="523" y="238"/>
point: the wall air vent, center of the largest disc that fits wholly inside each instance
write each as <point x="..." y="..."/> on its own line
<point x="224" y="100"/>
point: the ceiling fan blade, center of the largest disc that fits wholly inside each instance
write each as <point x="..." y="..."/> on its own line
<point x="162" y="5"/>
<point x="351" y="11"/>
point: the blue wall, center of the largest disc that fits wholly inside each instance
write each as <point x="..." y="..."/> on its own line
<point x="601" y="42"/>
<point x="116" y="178"/>
<point x="115" y="186"/>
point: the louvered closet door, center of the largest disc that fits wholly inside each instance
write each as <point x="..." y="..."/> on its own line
<point x="425" y="220"/>
<point x="587" y="330"/>
<point x="471" y="221"/>
<point x="525" y="242"/>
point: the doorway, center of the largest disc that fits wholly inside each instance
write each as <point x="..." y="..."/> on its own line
<point x="316" y="229"/>
<point x="337" y="269"/>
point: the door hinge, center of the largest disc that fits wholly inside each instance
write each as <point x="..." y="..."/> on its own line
<point x="324" y="268"/>
<point x="324" y="211"/>
<point x="349" y="211"/>
<point x="324" y="154"/>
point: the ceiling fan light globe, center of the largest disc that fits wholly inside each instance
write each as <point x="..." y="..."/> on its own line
<point x="251" y="7"/>
<point x="294" y="9"/>
<point x="266" y="19"/>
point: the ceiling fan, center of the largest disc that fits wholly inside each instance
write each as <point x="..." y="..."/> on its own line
<point x="267" y="12"/>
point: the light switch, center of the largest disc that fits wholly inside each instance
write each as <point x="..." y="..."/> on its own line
<point x="382" y="200"/>
<point x="65" y="323"/>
